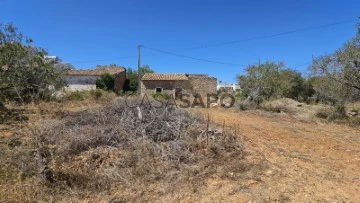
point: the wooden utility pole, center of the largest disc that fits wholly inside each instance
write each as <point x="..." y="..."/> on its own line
<point x="139" y="76"/>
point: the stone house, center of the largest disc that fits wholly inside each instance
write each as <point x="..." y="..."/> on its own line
<point x="78" y="80"/>
<point x="176" y="84"/>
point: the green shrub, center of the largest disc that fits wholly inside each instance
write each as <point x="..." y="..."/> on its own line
<point x="338" y="113"/>
<point x="160" y="96"/>
<point x="78" y="95"/>
<point x="240" y="95"/>
<point x="243" y="106"/>
<point x="105" y="82"/>
<point x="332" y="113"/>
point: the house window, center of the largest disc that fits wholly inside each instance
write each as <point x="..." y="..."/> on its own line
<point x="158" y="90"/>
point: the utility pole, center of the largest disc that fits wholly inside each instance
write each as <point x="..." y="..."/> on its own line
<point x="139" y="77"/>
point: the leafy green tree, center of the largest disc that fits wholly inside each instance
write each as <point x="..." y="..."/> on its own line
<point x="295" y="86"/>
<point x="131" y="83"/>
<point x="261" y="81"/>
<point x="338" y="74"/>
<point x="272" y="80"/>
<point x="106" y="82"/>
<point x="24" y="74"/>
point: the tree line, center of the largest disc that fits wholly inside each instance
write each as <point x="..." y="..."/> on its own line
<point x="334" y="78"/>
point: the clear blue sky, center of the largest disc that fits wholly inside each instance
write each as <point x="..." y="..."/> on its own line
<point x="84" y="31"/>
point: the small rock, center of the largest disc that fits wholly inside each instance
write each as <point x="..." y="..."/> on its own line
<point x="58" y="95"/>
<point x="213" y="105"/>
<point x="269" y="173"/>
<point x="353" y="113"/>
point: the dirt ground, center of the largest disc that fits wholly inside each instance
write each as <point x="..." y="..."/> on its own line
<point x="307" y="161"/>
<point x="293" y="160"/>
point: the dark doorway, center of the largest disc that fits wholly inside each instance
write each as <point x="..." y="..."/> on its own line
<point x="158" y="90"/>
<point x="178" y="92"/>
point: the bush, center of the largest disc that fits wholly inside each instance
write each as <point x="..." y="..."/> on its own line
<point x="160" y="96"/>
<point x="276" y="106"/>
<point x="323" y="112"/>
<point x="106" y="82"/>
<point x="244" y="105"/>
<point x="77" y="95"/>
<point x="332" y="113"/>
<point x="338" y="113"/>
<point x="240" y="95"/>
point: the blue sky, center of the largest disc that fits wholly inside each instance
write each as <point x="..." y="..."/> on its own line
<point x="87" y="32"/>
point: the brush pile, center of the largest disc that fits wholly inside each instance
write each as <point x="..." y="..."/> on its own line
<point x="116" y="152"/>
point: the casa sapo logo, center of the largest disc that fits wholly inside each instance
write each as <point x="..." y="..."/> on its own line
<point x="185" y="101"/>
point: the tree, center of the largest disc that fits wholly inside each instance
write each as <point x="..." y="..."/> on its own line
<point x="261" y="81"/>
<point x="24" y="74"/>
<point x="105" y="82"/>
<point x="338" y="74"/>
<point x="295" y="86"/>
<point x="272" y="80"/>
<point x="131" y="83"/>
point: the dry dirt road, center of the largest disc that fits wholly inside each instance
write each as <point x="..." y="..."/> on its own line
<point x="306" y="161"/>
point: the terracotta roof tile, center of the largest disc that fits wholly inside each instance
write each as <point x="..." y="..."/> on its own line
<point x="97" y="71"/>
<point x="157" y="76"/>
<point x="197" y="75"/>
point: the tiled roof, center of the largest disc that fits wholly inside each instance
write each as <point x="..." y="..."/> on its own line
<point x="97" y="71"/>
<point x="197" y="75"/>
<point x="156" y="76"/>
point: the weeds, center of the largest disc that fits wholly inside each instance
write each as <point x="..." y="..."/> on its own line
<point x="77" y="95"/>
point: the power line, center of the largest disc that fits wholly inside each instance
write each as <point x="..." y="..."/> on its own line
<point x="194" y="58"/>
<point x="271" y="35"/>
<point x="228" y="43"/>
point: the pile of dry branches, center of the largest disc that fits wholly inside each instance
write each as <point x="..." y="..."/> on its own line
<point x="118" y="148"/>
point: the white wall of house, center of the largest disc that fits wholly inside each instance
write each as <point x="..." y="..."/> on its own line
<point x="80" y="82"/>
<point x="234" y="87"/>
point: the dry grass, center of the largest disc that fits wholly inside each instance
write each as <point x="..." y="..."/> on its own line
<point x="115" y="153"/>
<point x="281" y="105"/>
<point x="306" y="112"/>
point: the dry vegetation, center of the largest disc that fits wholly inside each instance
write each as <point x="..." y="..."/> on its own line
<point x="90" y="147"/>
<point x="115" y="153"/>
<point x="346" y="114"/>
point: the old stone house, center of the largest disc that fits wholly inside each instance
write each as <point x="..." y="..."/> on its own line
<point x="86" y="79"/>
<point x="178" y="83"/>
